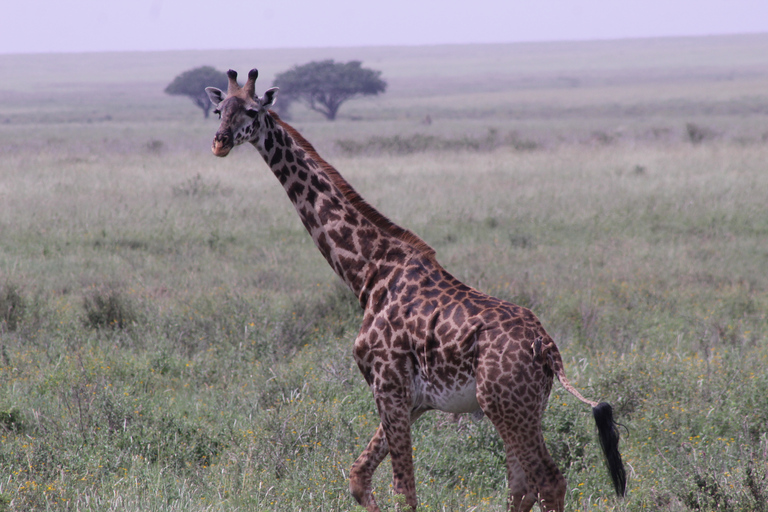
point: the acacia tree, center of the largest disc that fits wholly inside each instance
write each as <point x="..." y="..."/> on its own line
<point x="326" y="84"/>
<point x="193" y="82"/>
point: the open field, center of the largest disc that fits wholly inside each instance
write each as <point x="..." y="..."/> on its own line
<point x="171" y="339"/>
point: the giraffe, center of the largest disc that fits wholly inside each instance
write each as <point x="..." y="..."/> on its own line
<point x="427" y="340"/>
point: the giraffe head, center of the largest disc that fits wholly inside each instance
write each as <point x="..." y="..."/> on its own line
<point x="241" y="112"/>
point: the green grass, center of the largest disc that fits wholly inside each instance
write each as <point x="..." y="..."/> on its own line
<point x="170" y="338"/>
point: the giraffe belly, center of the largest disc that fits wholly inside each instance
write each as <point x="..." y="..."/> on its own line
<point x="455" y="399"/>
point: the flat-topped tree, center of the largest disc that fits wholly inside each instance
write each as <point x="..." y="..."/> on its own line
<point x="192" y="83"/>
<point x="428" y="341"/>
<point x="324" y="86"/>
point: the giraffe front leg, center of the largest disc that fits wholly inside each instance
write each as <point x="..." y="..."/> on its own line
<point x="396" y="424"/>
<point x="388" y="373"/>
<point x="361" y="474"/>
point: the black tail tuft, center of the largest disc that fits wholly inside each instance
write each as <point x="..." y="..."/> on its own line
<point x="609" y="440"/>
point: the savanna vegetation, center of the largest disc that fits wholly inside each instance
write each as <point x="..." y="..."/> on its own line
<point x="170" y="339"/>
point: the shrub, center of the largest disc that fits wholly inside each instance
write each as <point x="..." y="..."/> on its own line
<point x="107" y="306"/>
<point x="155" y="146"/>
<point x="11" y="420"/>
<point x="197" y="186"/>
<point x="698" y="134"/>
<point x="12" y="307"/>
<point x="419" y="143"/>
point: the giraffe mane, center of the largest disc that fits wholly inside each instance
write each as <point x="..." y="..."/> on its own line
<point x="361" y="205"/>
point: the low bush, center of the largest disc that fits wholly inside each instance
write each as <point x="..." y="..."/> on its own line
<point x="12" y="306"/>
<point x="108" y="306"/>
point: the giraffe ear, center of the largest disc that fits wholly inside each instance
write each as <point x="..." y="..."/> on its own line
<point x="215" y="95"/>
<point x="269" y="98"/>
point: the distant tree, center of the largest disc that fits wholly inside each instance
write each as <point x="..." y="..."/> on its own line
<point x="325" y="85"/>
<point x="192" y="83"/>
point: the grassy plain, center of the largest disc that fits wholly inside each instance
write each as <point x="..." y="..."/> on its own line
<point x="170" y="339"/>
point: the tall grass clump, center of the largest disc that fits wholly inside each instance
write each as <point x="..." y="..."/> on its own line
<point x="698" y="134"/>
<point x="12" y="306"/>
<point x="109" y="306"/>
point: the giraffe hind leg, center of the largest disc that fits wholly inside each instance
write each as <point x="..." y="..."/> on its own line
<point x="534" y="477"/>
<point x="520" y="498"/>
<point x="513" y="396"/>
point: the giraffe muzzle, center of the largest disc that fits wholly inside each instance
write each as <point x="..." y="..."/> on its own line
<point x="222" y="144"/>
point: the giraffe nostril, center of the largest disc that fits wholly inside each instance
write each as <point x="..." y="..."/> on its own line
<point x="222" y="143"/>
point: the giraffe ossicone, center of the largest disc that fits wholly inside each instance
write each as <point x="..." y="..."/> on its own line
<point x="427" y="341"/>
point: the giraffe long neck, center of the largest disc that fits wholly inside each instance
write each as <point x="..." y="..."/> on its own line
<point x="354" y="238"/>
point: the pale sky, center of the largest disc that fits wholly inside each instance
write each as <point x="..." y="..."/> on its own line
<point x="126" y="25"/>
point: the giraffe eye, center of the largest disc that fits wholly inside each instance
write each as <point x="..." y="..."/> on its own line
<point x="217" y="112"/>
<point x="252" y="113"/>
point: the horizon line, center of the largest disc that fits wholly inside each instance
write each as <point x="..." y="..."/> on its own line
<point x="398" y="45"/>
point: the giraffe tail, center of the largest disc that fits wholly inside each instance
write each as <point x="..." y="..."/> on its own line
<point x="609" y="440"/>
<point x="607" y="430"/>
